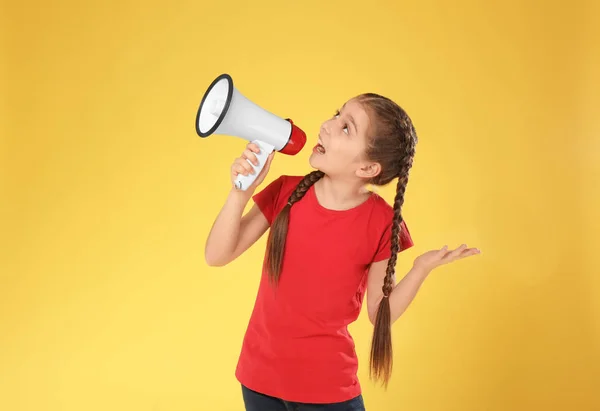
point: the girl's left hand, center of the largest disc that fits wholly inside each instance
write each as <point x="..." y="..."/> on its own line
<point x="434" y="258"/>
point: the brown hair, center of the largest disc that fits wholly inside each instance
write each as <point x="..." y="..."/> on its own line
<point x="392" y="141"/>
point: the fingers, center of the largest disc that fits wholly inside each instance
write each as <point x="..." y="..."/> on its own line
<point x="253" y="147"/>
<point x="445" y="256"/>
<point x="462" y="252"/>
<point x="241" y="166"/>
<point x="442" y="252"/>
<point x="469" y="252"/>
<point x="246" y="163"/>
<point x="249" y="155"/>
<point x="457" y="252"/>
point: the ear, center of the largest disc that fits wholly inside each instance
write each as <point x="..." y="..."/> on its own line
<point x="368" y="170"/>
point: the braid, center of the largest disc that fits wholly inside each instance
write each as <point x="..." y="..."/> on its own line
<point x="278" y="233"/>
<point x="304" y="185"/>
<point x="406" y="164"/>
<point x="381" y="348"/>
<point x="395" y="248"/>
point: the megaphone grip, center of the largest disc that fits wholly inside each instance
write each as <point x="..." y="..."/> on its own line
<point x="242" y="182"/>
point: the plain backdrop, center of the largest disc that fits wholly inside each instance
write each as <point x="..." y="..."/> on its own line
<point x="108" y="195"/>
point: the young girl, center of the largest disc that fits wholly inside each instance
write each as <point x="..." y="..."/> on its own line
<point x="331" y="241"/>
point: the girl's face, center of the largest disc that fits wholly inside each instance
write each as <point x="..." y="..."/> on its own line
<point x="343" y="139"/>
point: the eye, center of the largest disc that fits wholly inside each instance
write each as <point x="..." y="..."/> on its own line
<point x="336" y="115"/>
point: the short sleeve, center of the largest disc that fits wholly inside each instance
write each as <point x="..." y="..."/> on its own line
<point x="268" y="198"/>
<point x="384" y="251"/>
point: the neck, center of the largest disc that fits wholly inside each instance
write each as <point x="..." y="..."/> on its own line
<point x="340" y="194"/>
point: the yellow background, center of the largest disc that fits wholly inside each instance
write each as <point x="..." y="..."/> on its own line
<point x="108" y="195"/>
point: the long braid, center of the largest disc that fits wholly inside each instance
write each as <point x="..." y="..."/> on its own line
<point x="381" y="360"/>
<point x="278" y="232"/>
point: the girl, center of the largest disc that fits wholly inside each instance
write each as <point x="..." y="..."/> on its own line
<point x="330" y="242"/>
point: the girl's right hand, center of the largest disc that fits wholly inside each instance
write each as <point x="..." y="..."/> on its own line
<point x="241" y="166"/>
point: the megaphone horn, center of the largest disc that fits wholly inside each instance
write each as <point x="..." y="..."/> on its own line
<point x="224" y="110"/>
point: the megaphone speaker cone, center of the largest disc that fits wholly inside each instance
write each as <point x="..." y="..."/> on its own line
<point x="214" y="105"/>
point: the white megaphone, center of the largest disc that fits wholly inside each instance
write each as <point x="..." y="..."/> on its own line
<point x="223" y="110"/>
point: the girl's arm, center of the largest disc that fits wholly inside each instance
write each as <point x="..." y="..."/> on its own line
<point x="402" y="295"/>
<point x="232" y="234"/>
<point x="406" y="290"/>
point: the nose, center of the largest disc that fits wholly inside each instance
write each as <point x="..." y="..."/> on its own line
<point x="325" y="128"/>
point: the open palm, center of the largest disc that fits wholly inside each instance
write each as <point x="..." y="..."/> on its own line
<point x="435" y="258"/>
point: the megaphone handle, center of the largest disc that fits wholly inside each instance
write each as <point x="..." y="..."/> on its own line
<point x="242" y="182"/>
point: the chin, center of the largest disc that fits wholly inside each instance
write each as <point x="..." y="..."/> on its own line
<point x="315" y="161"/>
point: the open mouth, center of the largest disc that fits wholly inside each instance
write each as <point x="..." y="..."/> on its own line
<point x="319" y="148"/>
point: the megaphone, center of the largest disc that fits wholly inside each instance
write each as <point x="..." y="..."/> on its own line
<point x="224" y="110"/>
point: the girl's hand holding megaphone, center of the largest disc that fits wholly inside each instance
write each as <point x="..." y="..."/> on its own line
<point x="241" y="166"/>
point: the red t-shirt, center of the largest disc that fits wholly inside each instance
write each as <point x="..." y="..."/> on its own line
<point x="297" y="346"/>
